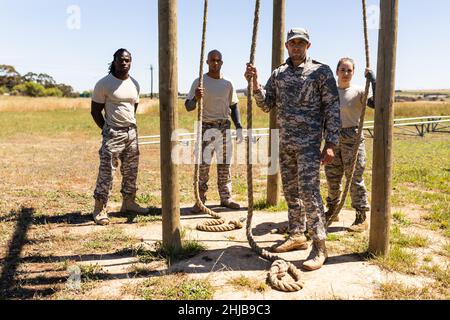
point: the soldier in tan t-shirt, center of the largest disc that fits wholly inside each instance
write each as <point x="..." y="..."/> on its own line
<point x="220" y="102"/>
<point x="351" y="104"/>
<point x="118" y="95"/>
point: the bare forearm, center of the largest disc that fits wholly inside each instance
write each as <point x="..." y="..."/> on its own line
<point x="371" y="77"/>
<point x="98" y="118"/>
<point x="371" y="100"/>
<point x="235" y="116"/>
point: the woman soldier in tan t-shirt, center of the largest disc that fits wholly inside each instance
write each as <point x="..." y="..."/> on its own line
<point x="351" y="104"/>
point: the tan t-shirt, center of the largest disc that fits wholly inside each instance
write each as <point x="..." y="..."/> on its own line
<point x="119" y="97"/>
<point x="219" y="96"/>
<point x="351" y="105"/>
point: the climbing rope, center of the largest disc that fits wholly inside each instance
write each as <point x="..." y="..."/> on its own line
<point x="278" y="274"/>
<point x="355" y="152"/>
<point x="217" y="225"/>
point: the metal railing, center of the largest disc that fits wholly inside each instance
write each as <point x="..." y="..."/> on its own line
<point x="422" y="125"/>
<point x="186" y="138"/>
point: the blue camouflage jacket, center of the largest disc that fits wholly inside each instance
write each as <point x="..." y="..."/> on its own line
<point x="306" y="99"/>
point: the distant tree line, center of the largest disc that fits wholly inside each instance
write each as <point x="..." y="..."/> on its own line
<point x="33" y="84"/>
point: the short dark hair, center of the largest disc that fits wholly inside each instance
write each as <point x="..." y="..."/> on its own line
<point x="215" y="51"/>
<point x="342" y="60"/>
<point x="112" y="68"/>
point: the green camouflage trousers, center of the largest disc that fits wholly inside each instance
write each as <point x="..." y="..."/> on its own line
<point x="300" y="167"/>
<point x="118" y="144"/>
<point x="340" y="164"/>
<point x="216" y="140"/>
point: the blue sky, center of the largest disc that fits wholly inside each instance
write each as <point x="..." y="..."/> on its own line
<point x="35" y="37"/>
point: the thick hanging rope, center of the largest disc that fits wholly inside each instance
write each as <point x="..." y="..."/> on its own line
<point x="217" y="225"/>
<point x="349" y="179"/>
<point x="279" y="270"/>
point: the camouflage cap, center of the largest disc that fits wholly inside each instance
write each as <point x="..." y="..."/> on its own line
<point x="298" y="33"/>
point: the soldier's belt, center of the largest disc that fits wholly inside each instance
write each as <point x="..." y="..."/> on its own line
<point x="349" y="129"/>
<point x="219" y="122"/>
<point x="131" y="127"/>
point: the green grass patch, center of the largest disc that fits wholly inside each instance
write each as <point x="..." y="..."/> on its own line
<point x="423" y="179"/>
<point x="334" y="237"/>
<point x="403" y="240"/>
<point x="262" y="205"/>
<point x="398" y="259"/>
<point x="147" y="219"/>
<point x="439" y="274"/>
<point x="92" y="272"/>
<point x="189" y="248"/>
<point x="175" y="287"/>
<point x="348" y="243"/>
<point x="108" y="239"/>
<point x="149" y="200"/>
<point x="401" y="218"/>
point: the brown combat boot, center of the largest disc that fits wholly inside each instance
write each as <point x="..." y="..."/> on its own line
<point x="228" y="203"/>
<point x="360" y="223"/>
<point x="295" y="242"/>
<point x="317" y="257"/>
<point x="100" y="215"/>
<point x="129" y="205"/>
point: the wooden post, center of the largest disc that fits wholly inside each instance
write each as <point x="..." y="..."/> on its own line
<point x="274" y="181"/>
<point x="168" y="94"/>
<point x="382" y="144"/>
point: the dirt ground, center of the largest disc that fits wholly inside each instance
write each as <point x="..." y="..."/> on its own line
<point x="345" y="275"/>
<point x="39" y="247"/>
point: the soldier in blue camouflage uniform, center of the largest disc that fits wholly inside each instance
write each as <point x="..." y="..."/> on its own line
<point x="305" y="95"/>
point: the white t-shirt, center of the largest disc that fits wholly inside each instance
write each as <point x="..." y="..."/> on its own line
<point x="219" y="96"/>
<point x="351" y="105"/>
<point x="119" y="97"/>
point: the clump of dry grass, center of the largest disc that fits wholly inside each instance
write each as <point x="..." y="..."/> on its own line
<point x="418" y="109"/>
<point x="27" y="104"/>
<point x="148" y="106"/>
<point x="398" y="291"/>
<point x="243" y="282"/>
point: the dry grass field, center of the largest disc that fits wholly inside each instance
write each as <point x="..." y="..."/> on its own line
<point x="48" y="166"/>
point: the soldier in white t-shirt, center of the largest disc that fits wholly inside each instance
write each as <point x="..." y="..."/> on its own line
<point x="220" y="102"/>
<point x="351" y="104"/>
<point x="118" y="95"/>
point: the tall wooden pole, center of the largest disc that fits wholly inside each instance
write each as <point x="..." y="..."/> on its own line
<point x="382" y="144"/>
<point x="168" y="94"/>
<point x="274" y="180"/>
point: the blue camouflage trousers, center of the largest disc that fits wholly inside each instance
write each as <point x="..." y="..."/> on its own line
<point x="300" y="166"/>
<point x="118" y="144"/>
